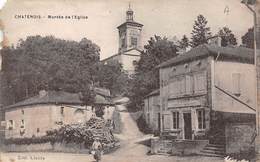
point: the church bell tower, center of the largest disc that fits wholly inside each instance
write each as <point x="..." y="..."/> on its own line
<point x="129" y="33"/>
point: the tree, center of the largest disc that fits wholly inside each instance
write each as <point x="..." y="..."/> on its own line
<point x="184" y="43"/>
<point x="227" y="37"/>
<point x="49" y="63"/>
<point x="111" y="76"/>
<point x="146" y="78"/>
<point x="200" y="32"/>
<point x="248" y="38"/>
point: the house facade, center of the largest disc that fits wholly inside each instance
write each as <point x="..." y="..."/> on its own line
<point x="49" y="110"/>
<point x="151" y="110"/>
<point x="130" y="43"/>
<point x="204" y="89"/>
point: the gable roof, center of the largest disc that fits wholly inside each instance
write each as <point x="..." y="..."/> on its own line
<point x="240" y="54"/>
<point x="59" y="97"/>
<point x="133" y="23"/>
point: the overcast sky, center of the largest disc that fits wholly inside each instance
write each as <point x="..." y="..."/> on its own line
<point x="165" y="18"/>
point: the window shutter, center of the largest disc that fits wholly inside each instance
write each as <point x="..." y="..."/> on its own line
<point x="167" y="121"/>
<point x="188" y="84"/>
<point x="236" y="83"/>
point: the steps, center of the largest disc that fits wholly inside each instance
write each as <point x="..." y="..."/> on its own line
<point x="213" y="150"/>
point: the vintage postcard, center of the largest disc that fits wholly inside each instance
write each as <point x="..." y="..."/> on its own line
<point x="129" y="80"/>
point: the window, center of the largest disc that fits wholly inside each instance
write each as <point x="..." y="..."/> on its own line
<point x="175" y="119"/>
<point x="201" y="119"/>
<point x="62" y="110"/>
<point x="133" y="41"/>
<point x="38" y="130"/>
<point x="22" y="111"/>
<point x="10" y="125"/>
<point x="123" y="42"/>
<point x="22" y="124"/>
<point x="236" y="80"/>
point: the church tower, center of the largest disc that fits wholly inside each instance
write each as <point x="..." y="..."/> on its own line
<point x="130" y="33"/>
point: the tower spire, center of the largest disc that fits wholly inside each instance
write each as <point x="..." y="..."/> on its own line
<point x="129" y="13"/>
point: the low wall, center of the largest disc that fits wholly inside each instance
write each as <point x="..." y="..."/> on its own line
<point x="56" y="147"/>
<point x="188" y="147"/>
<point x="177" y="147"/>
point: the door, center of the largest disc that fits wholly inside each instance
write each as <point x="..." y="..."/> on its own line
<point x="187" y="126"/>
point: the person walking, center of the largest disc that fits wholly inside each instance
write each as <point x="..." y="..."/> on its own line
<point x="97" y="148"/>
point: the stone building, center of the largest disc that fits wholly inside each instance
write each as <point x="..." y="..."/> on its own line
<point x="151" y="110"/>
<point x="208" y="91"/>
<point x="130" y="43"/>
<point x="50" y="109"/>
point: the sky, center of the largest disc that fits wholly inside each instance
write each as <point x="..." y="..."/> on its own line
<point x="164" y="18"/>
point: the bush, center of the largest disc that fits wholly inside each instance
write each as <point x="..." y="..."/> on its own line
<point x="143" y="126"/>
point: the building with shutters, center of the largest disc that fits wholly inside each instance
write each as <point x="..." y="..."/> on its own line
<point x="130" y="43"/>
<point x="205" y="90"/>
<point x="49" y="110"/>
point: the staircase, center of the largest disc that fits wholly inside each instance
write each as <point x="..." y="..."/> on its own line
<point x="213" y="150"/>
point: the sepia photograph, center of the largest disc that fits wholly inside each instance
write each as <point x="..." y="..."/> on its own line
<point x="129" y="81"/>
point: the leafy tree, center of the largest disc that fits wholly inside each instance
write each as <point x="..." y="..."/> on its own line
<point x="248" y="38"/>
<point x="200" y="32"/>
<point x="227" y="37"/>
<point x="49" y="63"/>
<point x="111" y="76"/>
<point x="184" y="42"/>
<point x="146" y="78"/>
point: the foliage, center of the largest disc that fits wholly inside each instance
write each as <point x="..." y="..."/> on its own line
<point x="49" y="63"/>
<point x="111" y="76"/>
<point x="200" y="32"/>
<point x="84" y="133"/>
<point x="227" y="37"/>
<point x="146" y="78"/>
<point x="184" y="42"/>
<point x="248" y="38"/>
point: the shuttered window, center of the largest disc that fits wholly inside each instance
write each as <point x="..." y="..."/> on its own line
<point x="175" y="120"/>
<point x="201" y="119"/>
<point x="236" y="80"/>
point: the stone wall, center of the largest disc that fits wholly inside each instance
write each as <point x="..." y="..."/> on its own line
<point x="239" y="137"/>
<point x="177" y="147"/>
<point x="56" y="147"/>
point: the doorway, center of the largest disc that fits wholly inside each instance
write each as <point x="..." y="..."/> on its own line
<point x="187" y="126"/>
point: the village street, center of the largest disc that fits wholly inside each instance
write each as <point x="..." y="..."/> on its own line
<point x="130" y="151"/>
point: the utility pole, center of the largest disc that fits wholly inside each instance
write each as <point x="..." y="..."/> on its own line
<point x="254" y="7"/>
<point x="257" y="64"/>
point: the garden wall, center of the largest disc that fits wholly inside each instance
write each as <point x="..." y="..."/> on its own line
<point x="56" y="147"/>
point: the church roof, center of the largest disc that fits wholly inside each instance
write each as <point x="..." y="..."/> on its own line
<point x="122" y="53"/>
<point x="132" y="23"/>
<point x="240" y="54"/>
